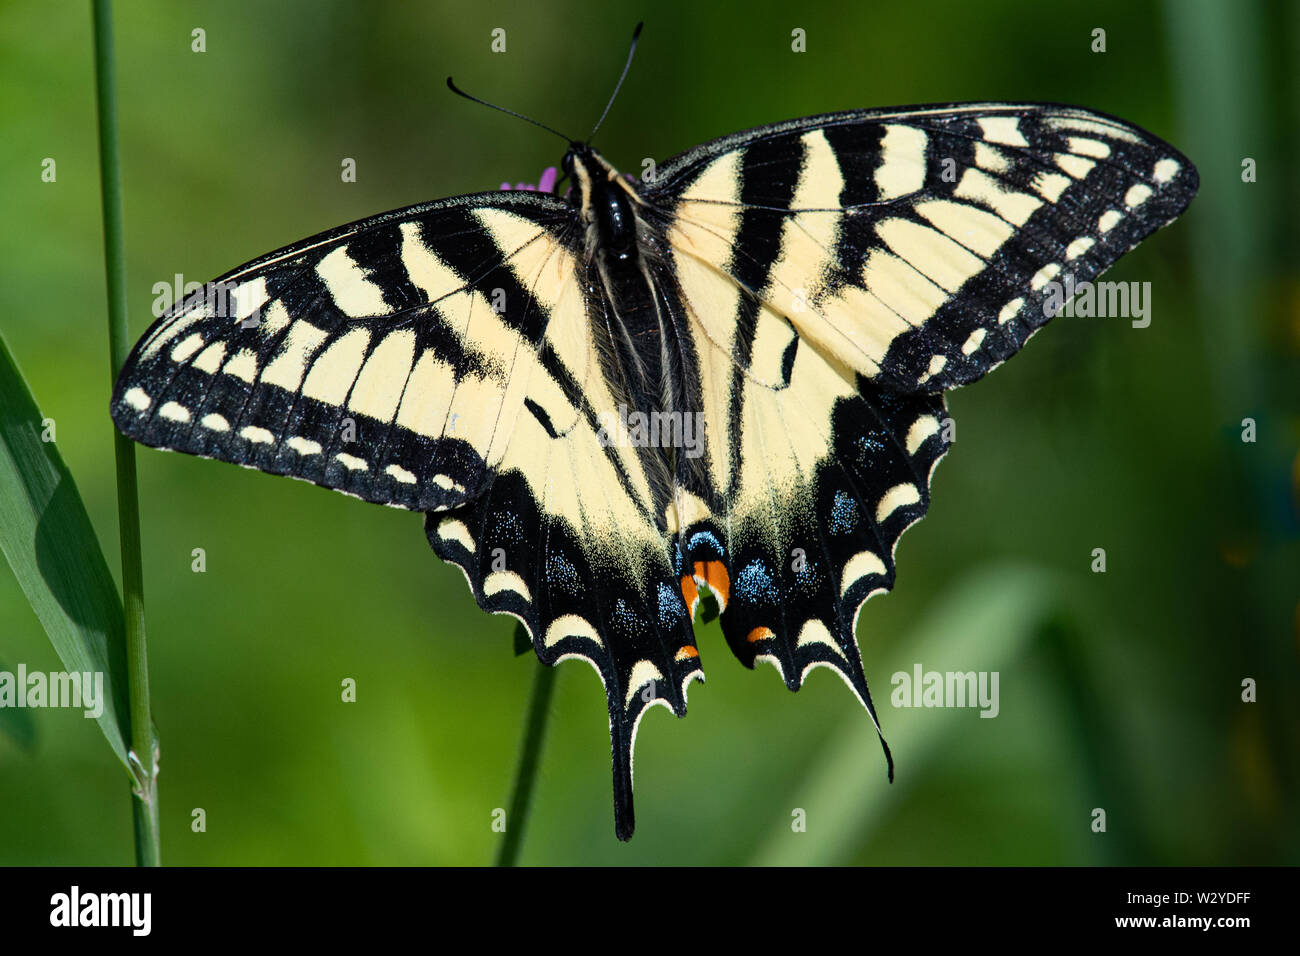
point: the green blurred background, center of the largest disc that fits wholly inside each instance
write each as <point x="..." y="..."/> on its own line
<point x="1119" y="690"/>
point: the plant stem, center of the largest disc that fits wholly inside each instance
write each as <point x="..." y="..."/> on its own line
<point x="539" y="710"/>
<point x="144" y="747"/>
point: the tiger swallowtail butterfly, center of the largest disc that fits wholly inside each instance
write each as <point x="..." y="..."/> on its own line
<point x="728" y="381"/>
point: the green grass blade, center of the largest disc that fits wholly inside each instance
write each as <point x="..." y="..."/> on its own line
<point x="144" y="741"/>
<point x="49" y="543"/>
<point x="530" y="756"/>
<point x="16" y="722"/>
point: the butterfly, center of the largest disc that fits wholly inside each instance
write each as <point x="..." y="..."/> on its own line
<point x="720" y="388"/>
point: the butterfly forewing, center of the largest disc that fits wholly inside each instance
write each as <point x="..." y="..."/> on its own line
<point x="920" y="248"/>
<point x="388" y="359"/>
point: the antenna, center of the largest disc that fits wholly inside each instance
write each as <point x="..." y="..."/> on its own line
<point x="619" y="85"/>
<point x="528" y="119"/>
<point x="459" y="92"/>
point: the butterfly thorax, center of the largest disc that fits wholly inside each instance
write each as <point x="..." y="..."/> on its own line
<point x="639" y="335"/>
<point x="606" y="202"/>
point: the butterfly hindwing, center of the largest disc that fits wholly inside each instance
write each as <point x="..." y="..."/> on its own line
<point x="810" y="475"/>
<point x="570" y="538"/>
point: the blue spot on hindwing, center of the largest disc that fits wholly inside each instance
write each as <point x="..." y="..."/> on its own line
<point x="560" y="573"/>
<point x="844" y="514"/>
<point x="870" y="447"/>
<point x="672" y="609"/>
<point x="507" y="527"/>
<point x="705" y="538"/>
<point x="807" y="572"/>
<point x="755" y="583"/>
<point x="626" y="619"/>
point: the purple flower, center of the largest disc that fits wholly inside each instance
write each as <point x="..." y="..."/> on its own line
<point x="544" y="185"/>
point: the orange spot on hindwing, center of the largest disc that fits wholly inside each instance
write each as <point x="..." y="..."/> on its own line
<point x="690" y="594"/>
<point x="714" y="575"/>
